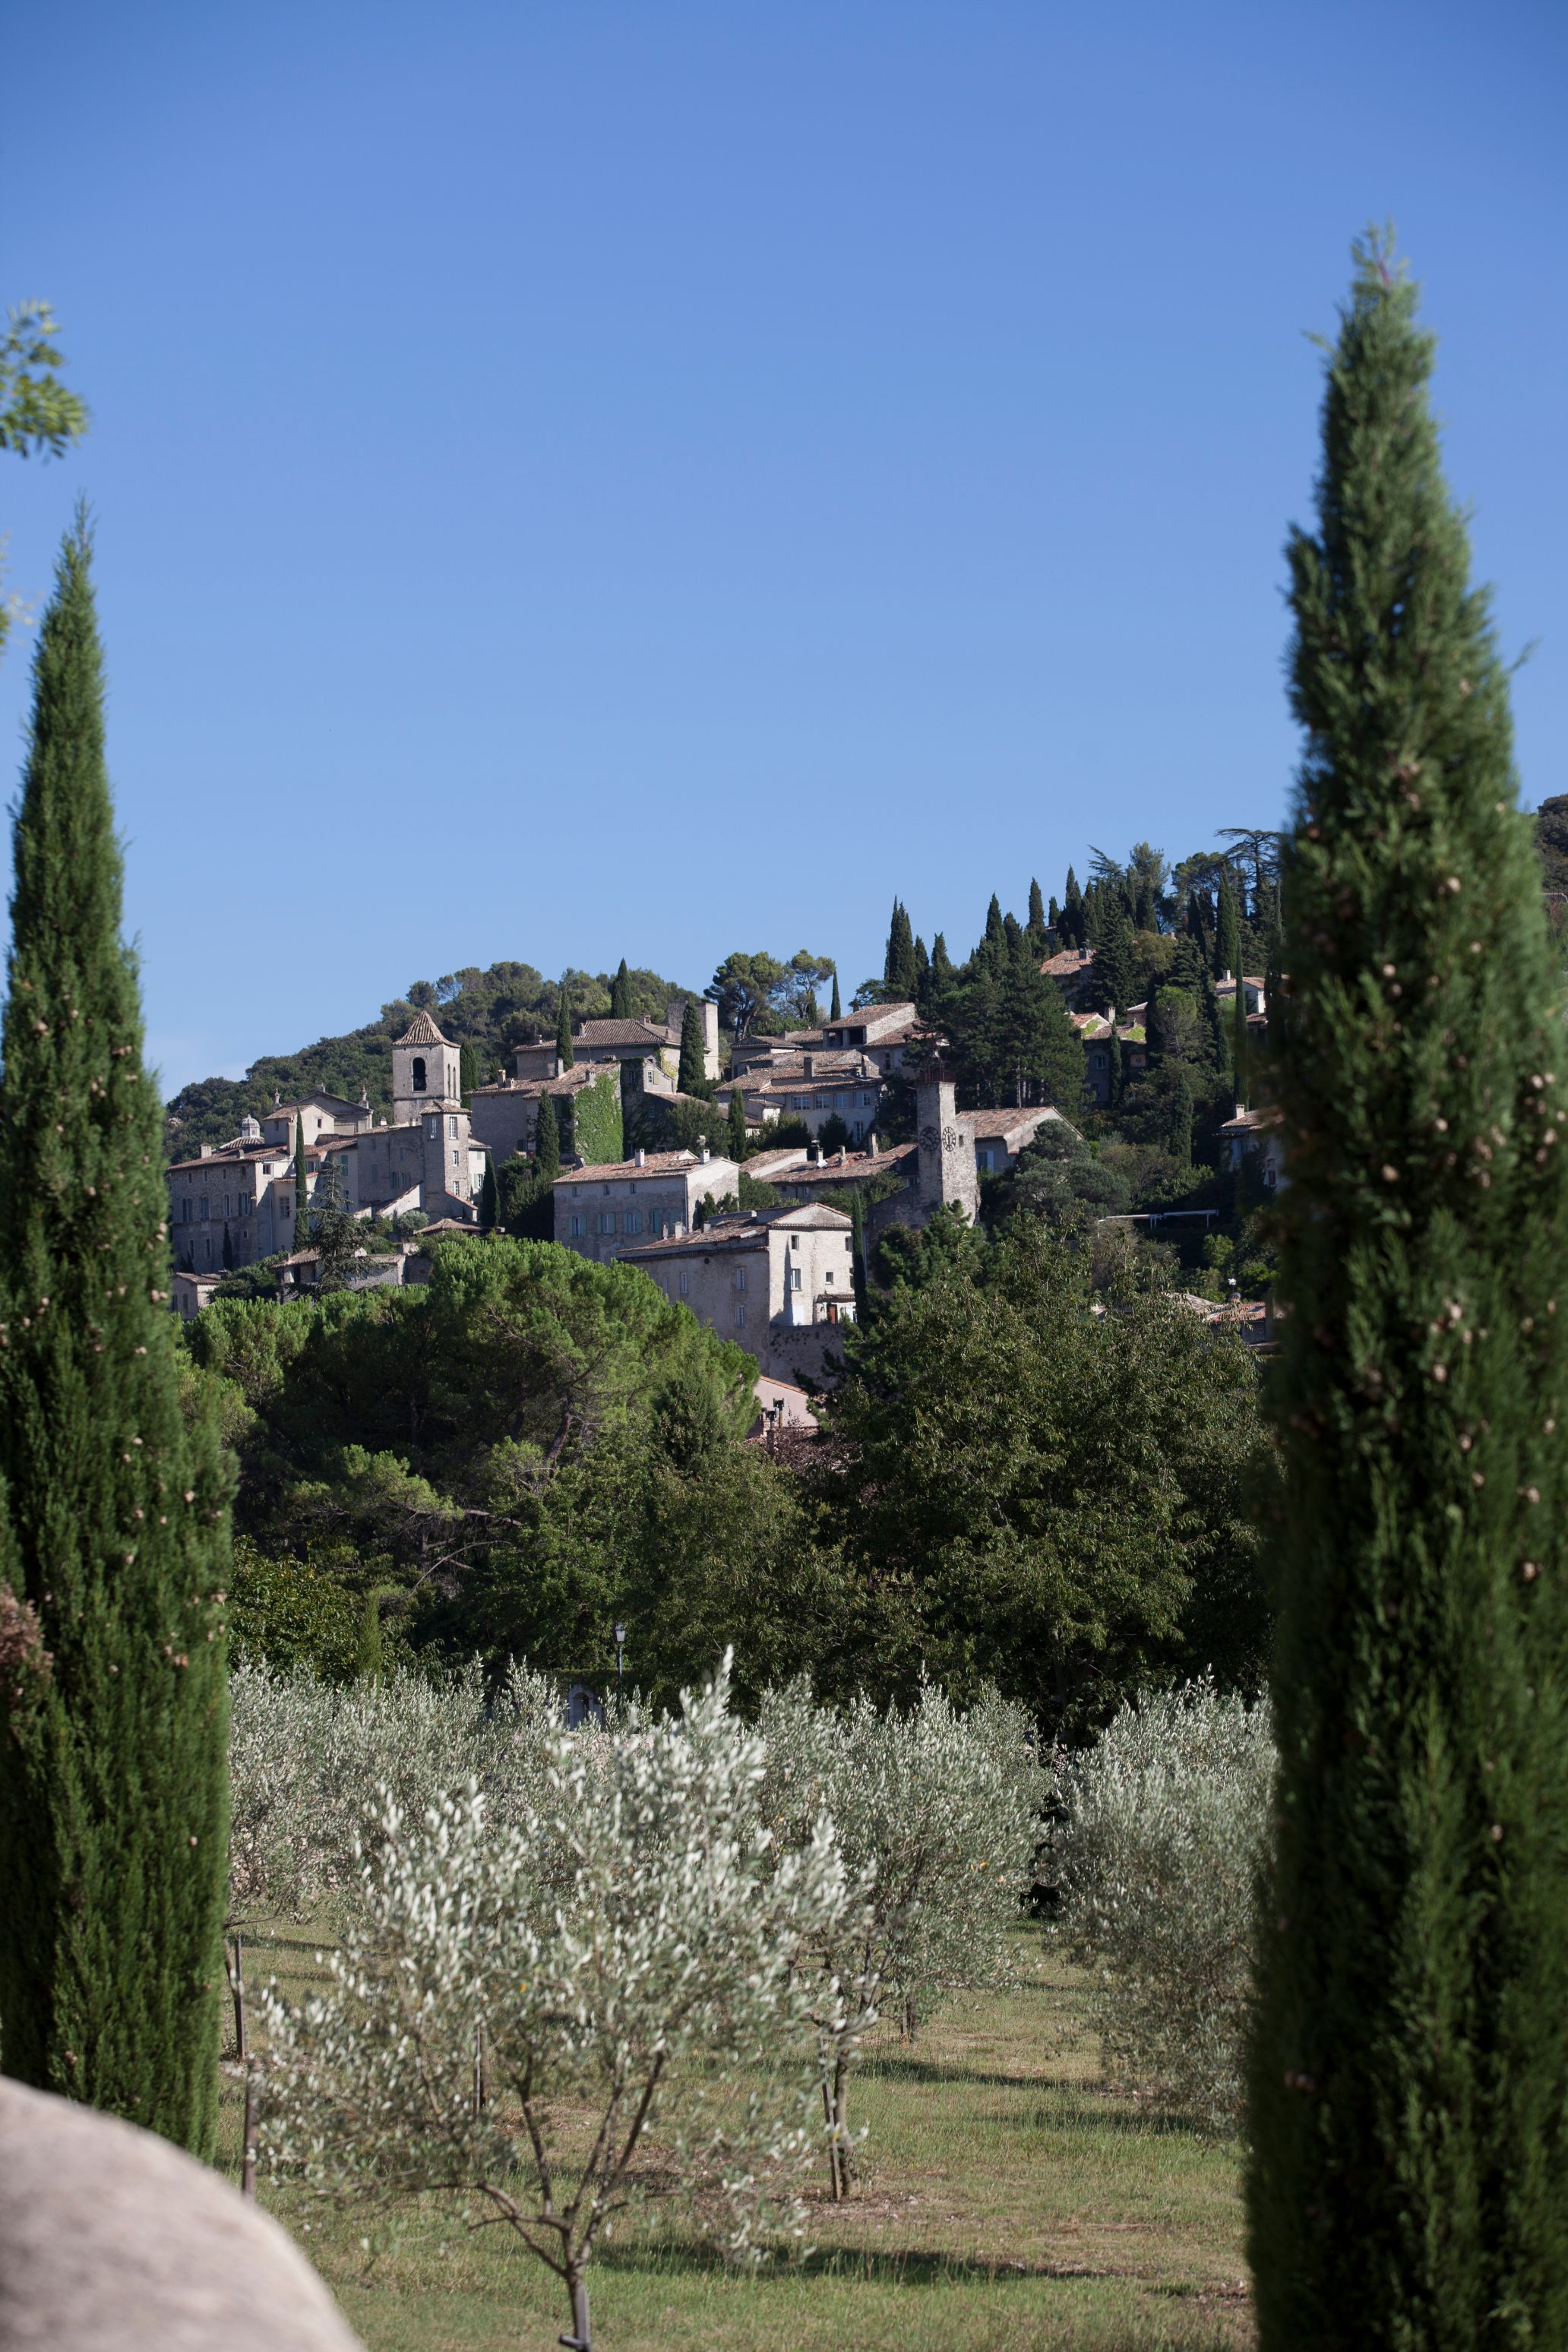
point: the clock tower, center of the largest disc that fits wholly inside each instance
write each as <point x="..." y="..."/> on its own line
<point x="948" y="1174"/>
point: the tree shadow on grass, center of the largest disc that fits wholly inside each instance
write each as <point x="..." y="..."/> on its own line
<point x="886" y="2266"/>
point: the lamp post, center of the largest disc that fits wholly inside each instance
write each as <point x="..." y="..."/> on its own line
<point x="619" y="1632"/>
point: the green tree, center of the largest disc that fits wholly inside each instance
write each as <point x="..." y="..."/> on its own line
<point x="942" y="968"/>
<point x="113" y="1783"/>
<point x="36" y="411"/>
<point x="334" y="1235"/>
<point x="899" y="975"/>
<point x="1074" y="924"/>
<point x="547" y="1141"/>
<point x="837" y="1014"/>
<point x="1409" y="2080"/>
<point x="1238" y="1045"/>
<point x="301" y="1186"/>
<point x="1036" y="926"/>
<point x="1115" y="970"/>
<point x="692" y="1076"/>
<point x="744" y="988"/>
<point x="1227" y="931"/>
<point x="490" y="1202"/>
<point x="738" y="1142"/>
<point x="564" y="1053"/>
<point x="621" y="995"/>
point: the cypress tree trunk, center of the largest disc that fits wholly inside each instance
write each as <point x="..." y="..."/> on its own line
<point x="113" y="1782"/>
<point x="1409" y="2183"/>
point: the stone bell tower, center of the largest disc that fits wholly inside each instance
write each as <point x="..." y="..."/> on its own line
<point x="426" y="1072"/>
<point x="947" y="1167"/>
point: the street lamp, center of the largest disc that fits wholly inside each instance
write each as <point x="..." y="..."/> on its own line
<point x="620" y="1633"/>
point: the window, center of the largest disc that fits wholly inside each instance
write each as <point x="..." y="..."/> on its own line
<point x="686" y="1282"/>
<point x="454" y="1159"/>
<point x="794" y="1240"/>
<point x="452" y="1128"/>
<point x="740" y="1277"/>
<point x="1098" y="1060"/>
<point x="634" y="1220"/>
<point x="606" y="1219"/>
<point x="829" y="1274"/>
<point x="575" y="1228"/>
<point x="740" y="1318"/>
<point x="848" y="1241"/>
<point x="418" y="1074"/>
<point x="206" y="1210"/>
<point x="792" y="1278"/>
<point x="186" y="1210"/>
<point x="859" y="1131"/>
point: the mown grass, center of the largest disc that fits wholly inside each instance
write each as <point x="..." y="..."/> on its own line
<point x="1008" y="2199"/>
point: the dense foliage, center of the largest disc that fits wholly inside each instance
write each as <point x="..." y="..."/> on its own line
<point x="1409" y="2092"/>
<point x="113" y="1505"/>
<point x="1035" y="1485"/>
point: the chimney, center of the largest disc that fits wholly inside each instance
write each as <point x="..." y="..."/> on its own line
<point x="705" y="1155"/>
<point x="640" y="1159"/>
<point x="806" y="1061"/>
<point x="872" y="1146"/>
<point x="206" y="1150"/>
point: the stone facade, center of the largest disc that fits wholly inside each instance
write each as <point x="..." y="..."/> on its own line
<point x="600" y="1210"/>
<point x="778" y="1282"/>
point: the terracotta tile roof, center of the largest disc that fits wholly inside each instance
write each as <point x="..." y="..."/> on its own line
<point x="1007" y="1122"/>
<point x="566" y="1082"/>
<point x="227" y="1156"/>
<point x="624" y="1033"/>
<point x="422" y="1031"/>
<point x="1253" y="1122"/>
<point x="653" y="1163"/>
<point x="847" y="1167"/>
<point x="1068" y="962"/>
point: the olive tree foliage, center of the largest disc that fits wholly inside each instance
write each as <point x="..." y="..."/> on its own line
<point x="624" y="1944"/>
<point x="305" y="1756"/>
<point x="937" y="1817"/>
<point x="1163" y="1829"/>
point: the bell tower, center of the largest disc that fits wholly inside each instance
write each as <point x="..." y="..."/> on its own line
<point x="426" y="1072"/>
<point x="947" y="1168"/>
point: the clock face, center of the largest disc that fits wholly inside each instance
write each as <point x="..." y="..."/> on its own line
<point x="950" y="1139"/>
<point x="930" y="1139"/>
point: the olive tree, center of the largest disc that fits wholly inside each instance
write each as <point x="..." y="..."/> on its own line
<point x="622" y="1944"/>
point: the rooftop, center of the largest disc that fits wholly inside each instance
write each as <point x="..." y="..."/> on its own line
<point x="652" y="1163"/>
<point x="422" y="1031"/>
<point x="624" y="1033"/>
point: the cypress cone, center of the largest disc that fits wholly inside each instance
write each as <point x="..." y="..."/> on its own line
<point x="1409" y="2080"/>
<point x="113" y="1777"/>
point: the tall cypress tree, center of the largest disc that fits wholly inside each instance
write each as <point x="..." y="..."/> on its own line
<point x="995" y="929"/>
<point x="1227" y="931"/>
<point x="1409" y="2083"/>
<point x="899" y="973"/>
<point x="113" y="1777"/>
<point x="837" y="1011"/>
<point x="301" y="1186"/>
<point x="489" y="1200"/>
<point x="737" y="1141"/>
<point x="1074" y="930"/>
<point x="546" y="1142"/>
<point x="621" y="995"/>
<point x="692" y="1075"/>
<point x="1239" y="1055"/>
<point x="941" y="965"/>
<point x="563" y="1031"/>
<point x="1036" y="920"/>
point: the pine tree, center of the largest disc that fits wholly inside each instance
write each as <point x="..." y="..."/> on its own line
<point x="1227" y="931"/>
<point x="301" y="1186"/>
<point x="737" y="1141"/>
<point x="692" y="1075"/>
<point x="1409" y="2082"/>
<point x="898" y="964"/>
<point x="621" y="995"/>
<point x="837" y="1012"/>
<point x="564" y="1053"/>
<point x="489" y="1204"/>
<point x="113" y="1777"/>
<point x="546" y="1142"/>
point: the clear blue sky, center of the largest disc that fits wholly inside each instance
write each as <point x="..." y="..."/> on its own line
<point x="579" y="479"/>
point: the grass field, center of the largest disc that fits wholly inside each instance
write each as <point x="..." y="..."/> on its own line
<point x="1008" y="2200"/>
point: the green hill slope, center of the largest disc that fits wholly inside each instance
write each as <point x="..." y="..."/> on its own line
<point x="485" y="1012"/>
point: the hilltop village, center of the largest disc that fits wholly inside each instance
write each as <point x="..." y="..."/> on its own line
<point x="759" y="1238"/>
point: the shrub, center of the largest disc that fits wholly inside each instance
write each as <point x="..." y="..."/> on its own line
<point x="1165" y="1823"/>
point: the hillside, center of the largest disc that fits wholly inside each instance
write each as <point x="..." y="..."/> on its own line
<point x="486" y="1013"/>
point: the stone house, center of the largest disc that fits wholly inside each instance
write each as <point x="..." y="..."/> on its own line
<point x="886" y="1034"/>
<point x="776" y="1281"/>
<point x="599" y="1210"/>
<point x="1129" y="1038"/>
<point x="1257" y="1135"/>
<point x="504" y="1117"/>
<point x="812" y="1087"/>
<point x="647" y="1053"/>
